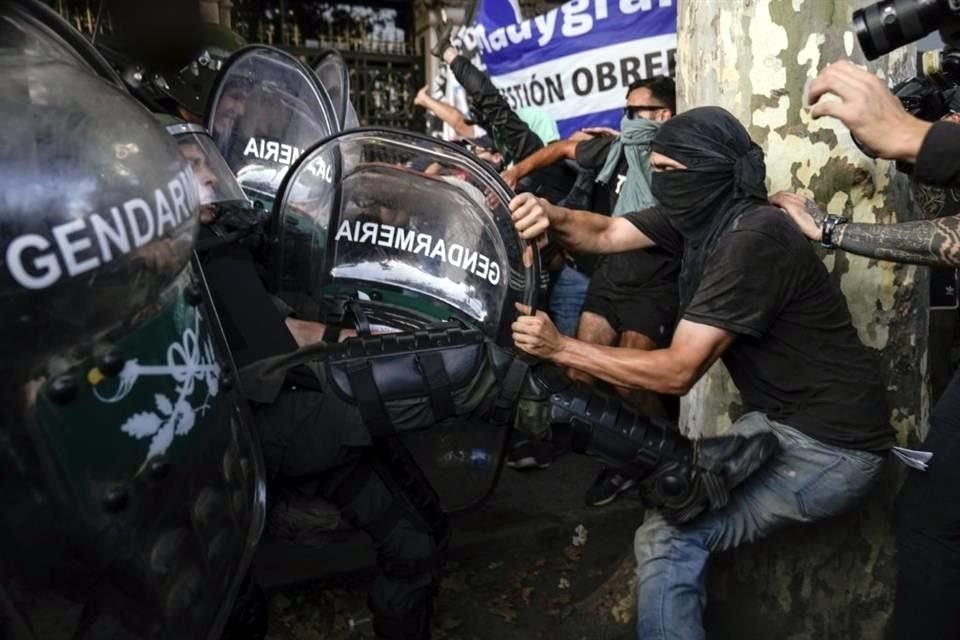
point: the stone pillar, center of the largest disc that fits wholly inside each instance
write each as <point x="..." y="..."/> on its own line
<point x="833" y="579"/>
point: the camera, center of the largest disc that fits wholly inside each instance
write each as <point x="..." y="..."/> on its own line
<point x="890" y="24"/>
<point x="930" y="97"/>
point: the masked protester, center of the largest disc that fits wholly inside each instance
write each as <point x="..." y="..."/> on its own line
<point x="754" y="293"/>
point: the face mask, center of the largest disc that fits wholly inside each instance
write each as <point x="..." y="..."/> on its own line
<point x="683" y="191"/>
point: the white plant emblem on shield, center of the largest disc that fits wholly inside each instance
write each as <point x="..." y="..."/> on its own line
<point x="172" y="416"/>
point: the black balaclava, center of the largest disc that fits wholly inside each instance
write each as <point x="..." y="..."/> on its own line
<point x="724" y="177"/>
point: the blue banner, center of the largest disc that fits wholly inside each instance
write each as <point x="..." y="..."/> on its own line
<point x="577" y="60"/>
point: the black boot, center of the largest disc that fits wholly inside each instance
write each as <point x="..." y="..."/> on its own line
<point x="680" y="477"/>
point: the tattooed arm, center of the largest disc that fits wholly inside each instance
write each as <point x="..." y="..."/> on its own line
<point x="929" y="242"/>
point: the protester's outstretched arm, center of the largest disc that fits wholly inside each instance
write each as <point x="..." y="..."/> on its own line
<point x="580" y="231"/>
<point x="548" y="155"/>
<point x="869" y="109"/>
<point x="927" y="242"/>
<point x="446" y="112"/>
<point x="671" y="371"/>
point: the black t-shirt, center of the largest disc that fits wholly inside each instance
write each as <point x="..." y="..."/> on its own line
<point x="551" y="183"/>
<point x="626" y="275"/>
<point x="797" y="356"/>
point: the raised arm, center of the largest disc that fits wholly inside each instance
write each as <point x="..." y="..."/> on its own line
<point x="579" y="231"/>
<point x="446" y="112"/>
<point x="548" y="155"/>
<point x="927" y="242"/>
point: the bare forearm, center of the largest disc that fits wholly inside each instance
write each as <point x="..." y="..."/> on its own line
<point x="586" y="232"/>
<point x="579" y="230"/>
<point x="553" y="152"/>
<point x="449" y="114"/>
<point x="927" y="242"/>
<point x="305" y="332"/>
<point x="656" y="370"/>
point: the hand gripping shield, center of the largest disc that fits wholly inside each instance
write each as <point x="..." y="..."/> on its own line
<point x="398" y="233"/>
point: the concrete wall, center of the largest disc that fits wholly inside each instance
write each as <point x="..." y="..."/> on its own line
<point x="833" y="579"/>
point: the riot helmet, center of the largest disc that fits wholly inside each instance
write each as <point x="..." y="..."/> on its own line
<point x="131" y="486"/>
<point x="216" y="183"/>
<point x="265" y="109"/>
<point x="176" y="81"/>
<point x="409" y="226"/>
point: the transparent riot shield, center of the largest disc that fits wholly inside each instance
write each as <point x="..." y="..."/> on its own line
<point x="131" y="486"/>
<point x="333" y="73"/>
<point x="133" y="489"/>
<point x="265" y="109"/>
<point x="412" y="232"/>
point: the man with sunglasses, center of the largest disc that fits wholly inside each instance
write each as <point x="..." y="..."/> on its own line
<point x="631" y="299"/>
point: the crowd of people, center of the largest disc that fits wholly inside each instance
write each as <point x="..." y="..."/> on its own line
<point x="665" y="254"/>
<point x="669" y="254"/>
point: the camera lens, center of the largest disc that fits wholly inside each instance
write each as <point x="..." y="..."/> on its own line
<point x="890" y="24"/>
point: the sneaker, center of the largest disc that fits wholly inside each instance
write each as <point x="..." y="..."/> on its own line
<point x="526" y="454"/>
<point x="605" y="489"/>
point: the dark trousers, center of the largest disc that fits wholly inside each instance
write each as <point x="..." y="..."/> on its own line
<point x="314" y="438"/>
<point x="927" y="526"/>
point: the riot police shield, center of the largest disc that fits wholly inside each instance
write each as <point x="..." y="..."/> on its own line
<point x="132" y="487"/>
<point x="265" y="109"/>
<point x="411" y="232"/>
<point x="401" y="223"/>
<point x="332" y="71"/>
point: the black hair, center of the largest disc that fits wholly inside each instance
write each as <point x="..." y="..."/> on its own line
<point x="662" y="88"/>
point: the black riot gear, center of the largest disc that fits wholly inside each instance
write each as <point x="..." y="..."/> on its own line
<point x="680" y="477"/>
<point x="315" y="445"/>
<point x="406" y="244"/>
<point x="401" y="225"/>
<point x="131" y="486"/>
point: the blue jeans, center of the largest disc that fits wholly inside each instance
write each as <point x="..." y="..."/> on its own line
<point x="806" y="481"/>
<point x="566" y="300"/>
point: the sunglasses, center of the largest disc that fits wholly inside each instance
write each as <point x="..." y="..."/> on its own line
<point x="633" y="112"/>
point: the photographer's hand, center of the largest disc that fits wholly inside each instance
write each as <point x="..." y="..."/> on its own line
<point x="869" y="109"/>
<point x="806" y="213"/>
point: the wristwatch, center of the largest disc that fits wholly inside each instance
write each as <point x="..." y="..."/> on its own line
<point x="827" y="227"/>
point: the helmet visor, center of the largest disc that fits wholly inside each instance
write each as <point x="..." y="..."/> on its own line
<point x="215" y="180"/>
